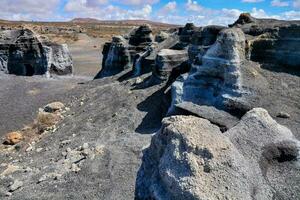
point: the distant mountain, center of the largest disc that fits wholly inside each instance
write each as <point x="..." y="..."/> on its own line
<point x="121" y="22"/>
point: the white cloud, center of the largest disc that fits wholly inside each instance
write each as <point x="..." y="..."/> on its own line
<point x="169" y="8"/>
<point x="193" y="6"/>
<point x="28" y="9"/>
<point x="137" y="2"/>
<point x="296" y="4"/>
<point x="80" y="8"/>
<point x="252" y="1"/>
<point x="279" y="3"/>
<point x="291" y="15"/>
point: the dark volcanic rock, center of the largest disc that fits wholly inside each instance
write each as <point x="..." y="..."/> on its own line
<point x="23" y="53"/>
<point x="116" y="57"/>
<point x="275" y="41"/>
<point x="141" y="36"/>
<point x="201" y="42"/>
<point x="168" y="60"/>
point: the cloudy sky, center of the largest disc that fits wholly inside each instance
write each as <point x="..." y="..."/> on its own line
<point x="201" y="12"/>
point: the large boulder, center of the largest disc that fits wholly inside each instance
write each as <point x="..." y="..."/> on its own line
<point x="23" y="53"/>
<point x="272" y="152"/>
<point x="189" y="158"/>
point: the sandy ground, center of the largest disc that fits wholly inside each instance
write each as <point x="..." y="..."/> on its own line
<point x="87" y="55"/>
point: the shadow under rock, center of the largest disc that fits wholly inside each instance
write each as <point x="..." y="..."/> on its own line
<point x="156" y="107"/>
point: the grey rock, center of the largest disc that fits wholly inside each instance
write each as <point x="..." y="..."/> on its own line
<point x="23" y="53"/>
<point x="189" y="158"/>
<point x="141" y="36"/>
<point x="184" y="161"/>
<point x="15" y="185"/>
<point x="218" y="117"/>
<point x="161" y="36"/>
<point x="167" y="60"/>
<point x="116" y="57"/>
<point x="272" y="41"/>
<point x="217" y="82"/>
<point x="284" y="115"/>
<point x="272" y="152"/>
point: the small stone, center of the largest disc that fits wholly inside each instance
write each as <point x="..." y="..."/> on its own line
<point x="39" y="150"/>
<point x="13" y="138"/>
<point x="16" y="185"/>
<point x="85" y="146"/>
<point x="8" y="194"/>
<point x="138" y="81"/>
<point x="65" y="142"/>
<point x="75" y="168"/>
<point x="53" y="107"/>
<point x="30" y="148"/>
<point x="284" y="115"/>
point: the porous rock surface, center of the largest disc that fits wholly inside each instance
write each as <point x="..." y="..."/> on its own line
<point x="189" y="158"/>
<point x="22" y="52"/>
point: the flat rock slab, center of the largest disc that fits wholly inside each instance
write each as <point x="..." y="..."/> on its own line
<point x="215" y="116"/>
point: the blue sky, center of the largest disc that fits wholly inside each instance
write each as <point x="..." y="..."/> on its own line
<point x="201" y="12"/>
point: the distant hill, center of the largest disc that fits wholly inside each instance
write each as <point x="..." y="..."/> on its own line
<point x="120" y="22"/>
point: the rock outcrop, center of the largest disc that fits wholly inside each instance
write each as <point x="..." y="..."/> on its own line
<point x="116" y="57"/>
<point x="189" y="158"/>
<point x="168" y="60"/>
<point x="142" y="36"/>
<point x="217" y="82"/>
<point x="23" y="53"/>
<point x="272" y="41"/>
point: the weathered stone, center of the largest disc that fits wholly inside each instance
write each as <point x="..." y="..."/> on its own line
<point x="116" y="57"/>
<point x="23" y="53"/>
<point x="189" y="158"/>
<point x="141" y="36"/>
<point x="161" y="36"/>
<point x="272" y="152"/>
<point x="15" y="185"/>
<point x="167" y="60"/>
<point x="275" y="42"/>
<point x="201" y="41"/>
<point x="217" y="81"/>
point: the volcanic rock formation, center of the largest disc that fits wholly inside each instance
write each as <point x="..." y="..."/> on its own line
<point x="271" y="41"/>
<point x="23" y="53"/>
<point x="189" y="158"/>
